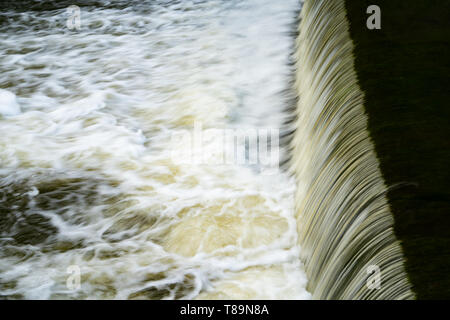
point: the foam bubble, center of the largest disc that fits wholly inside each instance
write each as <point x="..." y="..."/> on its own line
<point x="8" y="104"/>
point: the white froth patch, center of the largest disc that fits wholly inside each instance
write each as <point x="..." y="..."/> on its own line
<point x="8" y="104"/>
<point x="284" y="281"/>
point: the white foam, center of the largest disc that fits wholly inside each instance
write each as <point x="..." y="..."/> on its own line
<point x="8" y="103"/>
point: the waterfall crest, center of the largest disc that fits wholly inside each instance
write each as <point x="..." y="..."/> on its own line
<point x="344" y="221"/>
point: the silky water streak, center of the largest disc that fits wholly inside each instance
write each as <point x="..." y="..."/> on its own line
<point x="344" y="222"/>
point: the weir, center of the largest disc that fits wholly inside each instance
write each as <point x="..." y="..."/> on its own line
<point x="345" y="225"/>
<point x="91" y="181"/>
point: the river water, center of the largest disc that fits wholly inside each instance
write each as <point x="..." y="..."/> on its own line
<point x="93" y="202"/>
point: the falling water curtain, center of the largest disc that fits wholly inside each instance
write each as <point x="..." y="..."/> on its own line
<point x="344" y="220"/>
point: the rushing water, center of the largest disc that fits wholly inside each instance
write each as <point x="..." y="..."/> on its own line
<point x="87" y="176"/>
<point x="345" y="225"/>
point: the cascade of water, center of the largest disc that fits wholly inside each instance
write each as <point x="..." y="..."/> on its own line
<point x="344" y="221"/>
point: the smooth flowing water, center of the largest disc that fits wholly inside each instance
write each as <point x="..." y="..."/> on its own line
<point x="87" y="177"/>
<point x="345" y="225"/>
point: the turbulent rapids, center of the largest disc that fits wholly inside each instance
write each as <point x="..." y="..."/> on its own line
<point x="87" y="181"/>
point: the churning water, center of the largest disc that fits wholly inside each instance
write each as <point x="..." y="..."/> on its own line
<point x="87" y="179"/>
